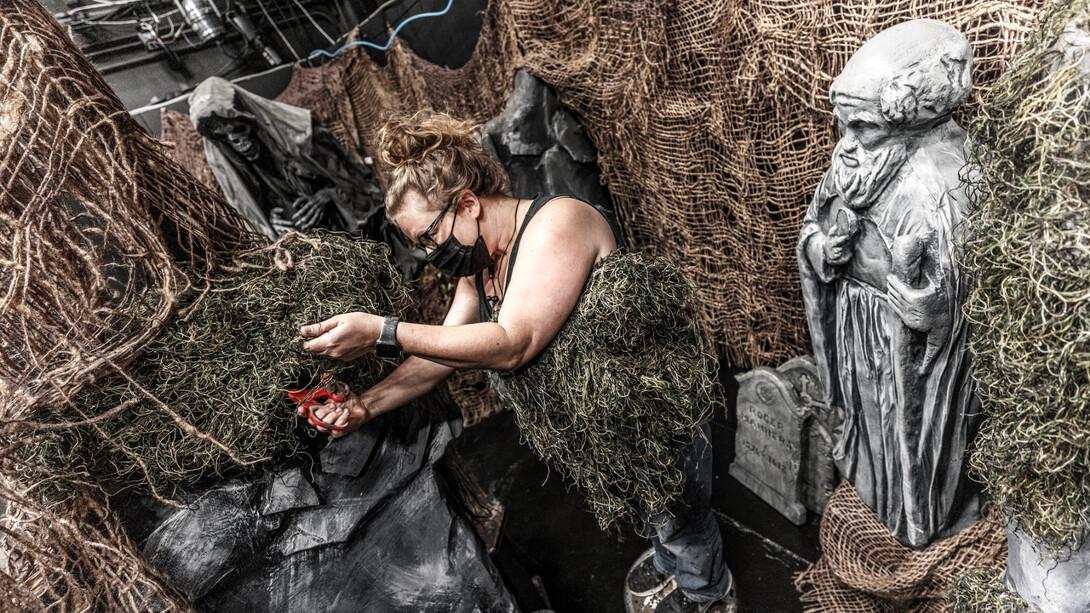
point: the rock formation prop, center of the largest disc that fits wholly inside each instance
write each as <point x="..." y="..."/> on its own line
<point x="543" y="146"/>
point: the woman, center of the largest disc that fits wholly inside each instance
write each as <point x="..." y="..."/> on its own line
<point x="450" y="198"/>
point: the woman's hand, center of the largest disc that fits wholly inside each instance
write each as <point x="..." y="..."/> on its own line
<point x="344" y="337"/>
<point x="349" y="415"/>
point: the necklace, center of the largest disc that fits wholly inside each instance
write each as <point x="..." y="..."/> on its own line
<point x="493" y="300"/>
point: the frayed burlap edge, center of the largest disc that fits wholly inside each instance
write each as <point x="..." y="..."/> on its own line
<point x="863" y="569"/>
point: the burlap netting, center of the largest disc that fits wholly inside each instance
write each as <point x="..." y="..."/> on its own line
<point x="101" y="233"/>
<point x="863" y="569"/>
<point x="187" y="145"/>
<point x="711" y="120"/>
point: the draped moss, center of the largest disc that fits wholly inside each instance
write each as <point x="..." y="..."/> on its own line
<point x="981" y="590"/>
<point x="208" y="396"/>
<point x="1029" y="256"/>
<point x="623" y="383"/>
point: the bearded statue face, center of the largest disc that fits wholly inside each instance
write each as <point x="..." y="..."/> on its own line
<point x="869" y="153"/>
<point x="239" y="135"/>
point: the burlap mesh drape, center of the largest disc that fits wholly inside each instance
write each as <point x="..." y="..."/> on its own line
<point x="101" y="231"/>
<point x="863" y="569"/>
<point x="711" y="120"/>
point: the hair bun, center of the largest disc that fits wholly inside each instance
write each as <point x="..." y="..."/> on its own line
<point x="408" y="139"/>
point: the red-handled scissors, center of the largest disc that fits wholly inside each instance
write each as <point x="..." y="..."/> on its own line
<point x="311" y="397"/>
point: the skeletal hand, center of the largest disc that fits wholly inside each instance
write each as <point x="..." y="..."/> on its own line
<point x="310" y="209"/>
<point x="280" y="223"/>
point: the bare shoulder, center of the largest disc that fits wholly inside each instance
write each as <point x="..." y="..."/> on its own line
<point x="569" y="221"/>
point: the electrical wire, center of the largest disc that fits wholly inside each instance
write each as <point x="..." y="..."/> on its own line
<point x="359" y="27"/>
<point x="277" y="28"/>
<point x="96" y="5"/>
<point x="169" y="17"/>
<point x="175" y="31"/>
<point x="158" y="105"/>
<point x="375" y="13"/>
<point x="81" y="17"/>
<point x="216" y="9"/>
<point x="314" y="23"/>
<point x="181" y="9"/>
<point x="364" y="43"/>
<point x="106" y="22"/>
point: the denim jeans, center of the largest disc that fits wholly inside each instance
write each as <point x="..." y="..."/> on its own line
<point x="686" y="538"/>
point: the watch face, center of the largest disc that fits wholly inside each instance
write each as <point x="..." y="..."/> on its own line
<point x="387" y="346"/>
<point x="387" y="350"/>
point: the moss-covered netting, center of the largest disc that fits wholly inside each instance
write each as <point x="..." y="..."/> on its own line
<point x="625" y="381"/>
<point x="981" y="590"/>
<point x="1029" y="256"/>
<point x="207" y="397"/>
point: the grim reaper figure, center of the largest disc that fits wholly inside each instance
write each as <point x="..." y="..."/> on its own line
<point x="282" y="171"/>
<point x="882" y="288"/>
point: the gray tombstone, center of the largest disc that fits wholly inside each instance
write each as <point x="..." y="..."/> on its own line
<point x="820" y="433"/>
<point x="784" y="444"/>
<point x="768" y="444"/>
<point x="881" y="284"/>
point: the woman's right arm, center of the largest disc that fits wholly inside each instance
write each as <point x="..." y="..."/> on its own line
<point x="416" y="376"/>
<point x="412" y="379"/>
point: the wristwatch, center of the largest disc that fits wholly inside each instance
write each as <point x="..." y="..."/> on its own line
<point x="386" y="346"/>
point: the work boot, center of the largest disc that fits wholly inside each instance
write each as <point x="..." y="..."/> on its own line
<point x="677" y="602"/>
<point x="643" y="578"/>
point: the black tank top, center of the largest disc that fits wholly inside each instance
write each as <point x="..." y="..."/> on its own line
<point x="485" y="306"/>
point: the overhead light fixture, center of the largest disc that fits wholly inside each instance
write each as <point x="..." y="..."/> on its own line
<point x="204" y="20"/>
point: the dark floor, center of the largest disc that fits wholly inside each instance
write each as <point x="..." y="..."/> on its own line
<point x="550" y="532"/>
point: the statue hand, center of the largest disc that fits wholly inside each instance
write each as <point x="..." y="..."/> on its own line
<point x="837" y="249"/>
<point x="280" y="223"/>
<point x="919" y="309"/>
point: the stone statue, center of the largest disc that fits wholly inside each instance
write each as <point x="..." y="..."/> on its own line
<point x="882" y="289"/>
<point x="283" y="171"/>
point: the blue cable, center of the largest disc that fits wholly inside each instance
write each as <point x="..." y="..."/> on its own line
<point x="392" y="36"/>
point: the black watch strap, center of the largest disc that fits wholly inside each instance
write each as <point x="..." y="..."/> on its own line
<point x="387" y="346"/>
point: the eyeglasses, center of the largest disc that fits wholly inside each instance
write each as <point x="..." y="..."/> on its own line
<point x="425" y="241"/>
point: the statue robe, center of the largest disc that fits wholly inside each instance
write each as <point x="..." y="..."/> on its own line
<point x="908" y="399"/>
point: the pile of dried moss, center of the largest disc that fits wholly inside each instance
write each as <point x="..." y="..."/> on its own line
<point x="1029" y="255"/>
<point x="208" y="397"/>
<point x="981" y="590"/>
<point x="625" y="380"/>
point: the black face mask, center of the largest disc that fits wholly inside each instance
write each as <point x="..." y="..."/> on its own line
<point x="458" y="260"/>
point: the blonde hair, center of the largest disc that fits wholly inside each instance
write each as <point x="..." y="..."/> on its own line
<point x="438" y="156"/>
